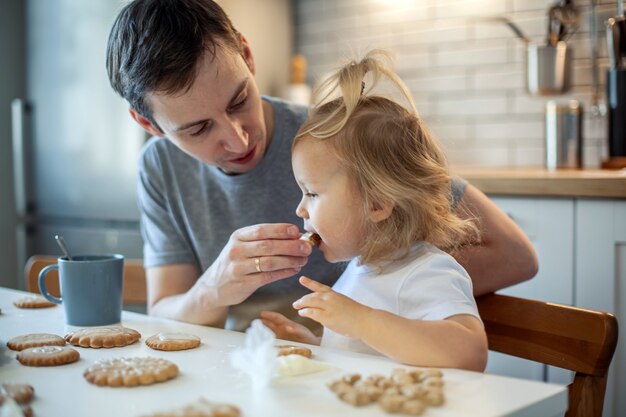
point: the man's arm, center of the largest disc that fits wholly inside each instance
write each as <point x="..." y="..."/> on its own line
<point x="254" y="256"/>
<point x="175" y="292"/>
<point x="505" y="255"/>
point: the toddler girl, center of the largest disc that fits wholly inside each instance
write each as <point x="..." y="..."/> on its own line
<point x="377" y="191"/>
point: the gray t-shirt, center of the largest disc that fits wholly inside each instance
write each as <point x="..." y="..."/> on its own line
<point x="189" y="210"/>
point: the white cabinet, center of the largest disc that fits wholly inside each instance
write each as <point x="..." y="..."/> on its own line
<point x="549" y="224"/>
<point x="581" y="245"/>
<point x="600" y="279"/>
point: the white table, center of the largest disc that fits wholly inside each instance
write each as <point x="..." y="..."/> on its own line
<point x="206" y="371"/>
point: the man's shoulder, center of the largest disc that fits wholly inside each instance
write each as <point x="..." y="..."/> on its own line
<point x="287" y="110"/>
<point x="158" y="150"/>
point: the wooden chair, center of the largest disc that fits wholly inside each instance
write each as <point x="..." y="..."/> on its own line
<point x="134" y="278"/>
<point x="572" y="338"/>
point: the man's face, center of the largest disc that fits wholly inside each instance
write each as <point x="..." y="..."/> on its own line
<point x="220" y="119"/>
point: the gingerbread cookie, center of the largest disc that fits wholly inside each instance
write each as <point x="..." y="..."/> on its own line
<point x="129" y="372"/>
<point x="284" y="350"/>
<point x="103" y="337"/>
<point x="201" y="408"/>
<point x="408" y="392"/>
<point x="47" y="356"/>
<point x="35" y="339"/>
<point x="33" y="301"/>
<point x="313" y="238"/>
<point x="173" y="341"/>
<point x="21" y="393"/>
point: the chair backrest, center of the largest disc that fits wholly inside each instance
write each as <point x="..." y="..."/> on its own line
<point x="577" y="339"/>
<point x="134" y="278"/>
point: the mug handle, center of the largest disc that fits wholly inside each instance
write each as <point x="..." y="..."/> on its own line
<point x="42" y="284"/>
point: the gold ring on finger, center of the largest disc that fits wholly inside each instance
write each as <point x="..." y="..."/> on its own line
<point x="257" y="263"/>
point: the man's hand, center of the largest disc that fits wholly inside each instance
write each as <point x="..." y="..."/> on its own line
<point x="255" y="256"/>
<point x="339" y="313"/>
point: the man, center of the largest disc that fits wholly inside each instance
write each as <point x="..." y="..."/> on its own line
<point x="216" y="190"/>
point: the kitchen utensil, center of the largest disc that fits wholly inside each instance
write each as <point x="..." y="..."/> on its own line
<point x="616" y="104"/>
<point x="61" y="243"/>
<point x="516" y="29"/>
<point x="598" y="107"/>
<point x="616" y="41"/>
<point x="563" y="129"/>
<point x="563" y="21"/>
<point x="548" y="68"/>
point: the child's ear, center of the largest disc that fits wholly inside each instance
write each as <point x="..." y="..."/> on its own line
<point x="381" y="210"/>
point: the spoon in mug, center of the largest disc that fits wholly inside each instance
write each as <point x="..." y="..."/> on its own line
<point x="61" y="243"/>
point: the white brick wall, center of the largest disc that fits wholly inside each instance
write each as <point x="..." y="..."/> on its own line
<point x="466" y="75"/>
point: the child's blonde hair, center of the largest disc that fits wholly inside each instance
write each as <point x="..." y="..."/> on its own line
<point x="391" y="156"/>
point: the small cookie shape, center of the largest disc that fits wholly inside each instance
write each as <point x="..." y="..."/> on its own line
<point x="34" y="340"/>
<point x="173" y="341"/>
<point x="14" y="399"/>
<point x="33" y="301"/>
<point x="103" y="337"/>
<point x="313" y="238"/>
<point x="284" y="350"/>
<point x="48" y="356"/>
<point x="129" y="372"/>
<point x="21" y="393"/>
<point x="201" y="408"/>
<point x="408" y="392"/>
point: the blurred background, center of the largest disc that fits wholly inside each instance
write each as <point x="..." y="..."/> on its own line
<point x="68" y="148"/>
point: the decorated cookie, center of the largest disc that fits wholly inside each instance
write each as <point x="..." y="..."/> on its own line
<point x="201" y="408"/>
<point x="404" y="392"/>
<point x="173" y="341"/>
<point x="47" y="356"/>
<point x="313" y="238"/>
<point x="103" y="337"/>
<point x="129" y="372"/>
<point x="294" y="350"/>
<point x="33" y="301"/>
<point x="35" y="339"/>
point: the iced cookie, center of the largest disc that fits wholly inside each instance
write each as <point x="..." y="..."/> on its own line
<point x="129" y="372"/>
<point x="173" y="341"/>
<point x="33" y="301"/>
<point x="103" y="337"/>
<point x="47" y="356"/>
<point x="34" y="340"/>
<point x="284" y="350"/>
<point x="201" y="408"/>
<point x="313" y="238"/>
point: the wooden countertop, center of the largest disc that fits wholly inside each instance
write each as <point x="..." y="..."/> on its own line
<point x="596" y="183"/>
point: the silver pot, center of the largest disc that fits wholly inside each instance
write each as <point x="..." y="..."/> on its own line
<point x="548" y="68"/>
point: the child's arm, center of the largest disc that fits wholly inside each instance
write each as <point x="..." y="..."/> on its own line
<point x="287" y="329"/>
<point x="457" y="342"/>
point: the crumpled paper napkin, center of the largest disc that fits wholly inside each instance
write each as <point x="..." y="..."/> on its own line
<point x="257" y="357"/>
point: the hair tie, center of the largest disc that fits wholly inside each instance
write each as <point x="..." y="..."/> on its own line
<point x="362" y="87"/>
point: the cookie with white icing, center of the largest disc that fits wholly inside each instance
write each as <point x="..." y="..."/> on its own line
<point x="47" y="356"/>
<point x="173" y="341"/>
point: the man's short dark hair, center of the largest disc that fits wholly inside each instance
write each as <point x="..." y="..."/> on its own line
<point x="155" y="45"/>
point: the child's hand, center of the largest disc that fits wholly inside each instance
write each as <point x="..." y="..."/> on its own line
<point x="341" y="314"/>
<point x="287" y="329"/>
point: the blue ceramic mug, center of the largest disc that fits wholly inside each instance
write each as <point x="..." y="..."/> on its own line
<point x="91" y="288"/>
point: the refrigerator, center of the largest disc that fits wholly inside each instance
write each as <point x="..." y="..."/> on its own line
<point x="75" y="147"/>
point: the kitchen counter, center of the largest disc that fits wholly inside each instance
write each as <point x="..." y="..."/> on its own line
<point x="593" y="183"/>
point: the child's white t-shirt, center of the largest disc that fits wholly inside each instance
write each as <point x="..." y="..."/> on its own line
<point x="429" y="285"/>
